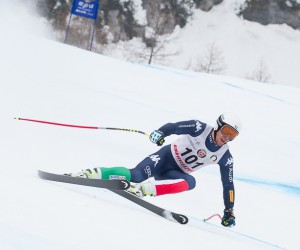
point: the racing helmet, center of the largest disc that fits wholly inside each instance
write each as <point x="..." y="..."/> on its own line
<point x="229" y="124"/>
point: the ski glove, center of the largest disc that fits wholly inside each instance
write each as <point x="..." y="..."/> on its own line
<point x="157" y="137"/>
<point x="228" y="219"/>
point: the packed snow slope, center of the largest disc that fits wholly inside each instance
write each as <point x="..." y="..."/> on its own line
<point x="42" y="79"/>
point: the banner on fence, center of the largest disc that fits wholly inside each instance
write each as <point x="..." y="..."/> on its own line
<point x="85" y="8"/>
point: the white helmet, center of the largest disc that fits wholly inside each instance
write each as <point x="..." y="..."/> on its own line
<point x="229" y="119"/>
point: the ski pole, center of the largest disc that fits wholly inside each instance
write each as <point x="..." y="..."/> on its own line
<point x="80" y="126"/>
<point x="210" y="217"/>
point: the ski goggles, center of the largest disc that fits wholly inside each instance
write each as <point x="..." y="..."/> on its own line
<point x="229" y="132"/>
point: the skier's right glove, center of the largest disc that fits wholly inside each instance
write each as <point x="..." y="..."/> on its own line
<point x="157" y="137"/>
<point x="228" y="219"/>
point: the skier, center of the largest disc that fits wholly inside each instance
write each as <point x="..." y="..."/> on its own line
<point x="200" y="145"/>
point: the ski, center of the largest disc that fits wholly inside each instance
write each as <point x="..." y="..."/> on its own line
<point x="109" y="184"/>
<point x="180" y="218"/>
<point x="118" y="187"/>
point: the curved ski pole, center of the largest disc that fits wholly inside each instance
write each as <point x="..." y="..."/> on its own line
<point x="80" y="126"/>
<point x="210" y="217"/>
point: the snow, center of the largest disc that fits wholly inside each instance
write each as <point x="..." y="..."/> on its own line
<point x="243" y="44"/>
<point x="290" y="3"/>
<point x="46" y="80"/>
<point x="140" y="13"/>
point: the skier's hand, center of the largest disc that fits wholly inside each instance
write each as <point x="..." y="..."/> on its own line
<point x="228" y="219"/>
<point x="157" y="137"/>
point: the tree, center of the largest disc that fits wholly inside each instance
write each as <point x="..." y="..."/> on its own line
<point x="156" y="38"/>
<point x="261" y="73"/>
<point x="212" y="61"/>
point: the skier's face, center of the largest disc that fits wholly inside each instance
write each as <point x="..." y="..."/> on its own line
<point x="221" y="139"/>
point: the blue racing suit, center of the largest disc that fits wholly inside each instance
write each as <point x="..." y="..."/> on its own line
<point x="193" y="150"/>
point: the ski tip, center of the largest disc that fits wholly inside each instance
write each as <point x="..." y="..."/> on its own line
<point x="180" y="218"/>
<point x="41" y="173"/>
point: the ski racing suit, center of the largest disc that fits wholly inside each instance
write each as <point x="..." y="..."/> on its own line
<point x="193" y="150"/>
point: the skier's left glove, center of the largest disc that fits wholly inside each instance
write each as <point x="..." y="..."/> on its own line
<point x="228" y="219"/>
<point x="157" y="137"/>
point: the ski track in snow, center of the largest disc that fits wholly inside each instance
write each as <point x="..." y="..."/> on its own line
<point x="277" y="185"/>
<point x="261" y="94"/>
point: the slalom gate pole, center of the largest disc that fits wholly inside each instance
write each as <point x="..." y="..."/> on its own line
<point x="80" y="126"/>
<point x="210" y="217"/>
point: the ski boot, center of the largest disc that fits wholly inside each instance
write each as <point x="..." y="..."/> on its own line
<point x="142" y="189"/>
<point x="94" y="173"/>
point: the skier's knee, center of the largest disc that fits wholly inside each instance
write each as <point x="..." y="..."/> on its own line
<point x="115" y="173"/>
<point x="191" y="182"/>
<point x="137" y="176"/>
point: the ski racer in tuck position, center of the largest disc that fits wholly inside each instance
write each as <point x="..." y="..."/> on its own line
<point x="200" y="145"/>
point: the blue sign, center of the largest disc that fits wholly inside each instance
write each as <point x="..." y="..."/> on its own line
<point x="85" y="8"/>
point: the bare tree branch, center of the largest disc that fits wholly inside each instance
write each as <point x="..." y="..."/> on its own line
<point x="261" y="73"/>
<point x="212" y="61"/>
